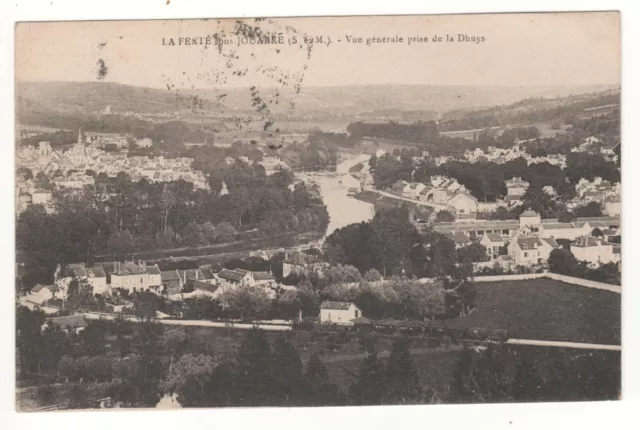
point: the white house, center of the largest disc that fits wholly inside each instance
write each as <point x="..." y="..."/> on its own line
<point x="95" y="276"/>
<point x="338" y="312"/>
<point x="463" y="203"/>
<point x="593" y="250"/>
<point x="131" y="277"/>
<point x="525" y="251"/>
<point x="492" y="242"/>
<point x="516" y="186"/>
<point x="548" y="245"/>
<point x="612" y="206"/>
<point x="38" y="296"/>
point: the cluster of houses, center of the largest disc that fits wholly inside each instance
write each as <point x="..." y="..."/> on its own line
<point x="594" y="145"/>
<point x="529" y="240"/>
<point x="68" y="170"/>
<point x="441" y="191"/>
<point x="109" y="279"/>
<point x="602" y="192"/>
<point x="504" y="155"/>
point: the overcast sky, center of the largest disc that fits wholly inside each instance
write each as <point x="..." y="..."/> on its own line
<point x="519" y="50"/>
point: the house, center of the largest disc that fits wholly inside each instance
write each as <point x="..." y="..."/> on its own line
<point x="95" y="276"/>
<point x="492" y="242"/>
<point x="459" y="239"/>
<point x="41" y="197"/>
<point x="435" y="195"/>
<point x="612" y="206"/>
<point x="264" y="278"/>
<point x="516" y="187"/>
<point x="463" y="202"/>
<point x="38" y="296"/>
<point x="300" y="263"/>
<point x="525" y="251"/>
<point x="131" y="277"/>
<point x="339" y="312"/>
<point x="236" y="276"/>
<point x="190" y="274"/>
<point x="414" y="190"/>
<point x="400" y="187"/>
<point x="593" y="250"/>
<point x="69" y="323"/>
<point x="205" y="289"/>
<point x="548" y="245"/>
<point x="530" y="221"/>
<point x="171" y="281"/>
<point x="155" y="276"/>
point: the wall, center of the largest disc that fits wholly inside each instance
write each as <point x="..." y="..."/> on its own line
<point x="337" y="315"/>
<point x="557" y="277"/>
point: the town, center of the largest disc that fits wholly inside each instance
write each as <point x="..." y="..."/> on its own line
<point x="236" y="235"/>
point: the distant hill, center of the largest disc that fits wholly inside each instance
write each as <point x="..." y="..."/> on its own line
<point x="317" y="103"/>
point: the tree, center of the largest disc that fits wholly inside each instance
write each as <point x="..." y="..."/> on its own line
<point x="51" y="348"/>
<point x="323" y="392"/>
<point x="287" y="373"/>
<point x="461" y="299"/>
<point x="420" y="300"/>
<point x="245" y="301"/>
<point x="372" y="275"/>
<point x="371" y="384"/>
<point x="28" y="335"/>
<point x="472" y="253"/>
<point x="403" y="384"/>
<point x="566" y="216"/>
<point x="596" y="232"/>
<point x="591" y="209"/>
<point x="482" y="376"/>
<point x="188" y="377"/>
<point x="562" y="261"/>
<point x="254" y="383"/>
<point x="536" y="199"/>
<point x="444" y="216"/>
<point x="167" y="201"/>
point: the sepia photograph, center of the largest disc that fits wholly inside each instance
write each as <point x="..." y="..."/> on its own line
<point x="317" y="211"/>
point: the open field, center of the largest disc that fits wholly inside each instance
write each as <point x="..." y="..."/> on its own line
<point x="546" y="309"/>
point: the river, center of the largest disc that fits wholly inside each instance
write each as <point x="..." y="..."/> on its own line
<point x="343" y="209"/>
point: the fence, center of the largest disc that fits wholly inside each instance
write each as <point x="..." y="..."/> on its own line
<point x="557" y="277"/>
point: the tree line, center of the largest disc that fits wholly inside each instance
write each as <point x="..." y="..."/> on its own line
<point x="121" y="216"/>
<point x="141" y="363"/>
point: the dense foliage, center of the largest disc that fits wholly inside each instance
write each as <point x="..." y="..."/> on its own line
<point x="122" y="217"/>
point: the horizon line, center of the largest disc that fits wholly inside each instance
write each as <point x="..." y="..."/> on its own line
<point x="615" y="85"/>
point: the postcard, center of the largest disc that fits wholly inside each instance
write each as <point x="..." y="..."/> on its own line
<point x="326" y="211"/>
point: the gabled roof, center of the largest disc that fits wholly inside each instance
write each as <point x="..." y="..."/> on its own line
<point x="526" y="243"/>
<point x="125" y="269"/>
<point x="170" y="275"/>
<point x="70" y="321"/>
<point x="459" y="238"/>
<point x="589" y="241"/>
<point x="190" y="274"/>
<point x="530" y="213"/>
<point x="207" y="274"/>
<point x="463" y="194"/>
<point x="77" y="270"/>
<point x="96" y="272"/>
<point x="263" y="276"/>
<point x="40" y="287"/>
<point x="154" y="270"/>
<point x="343" y="306"/>
<point x="494" y="237"/>
<point x="205" y="286"/>
<point x="301" y="259"/>
<point x="231" y="275"/>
